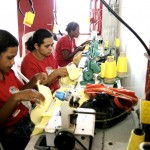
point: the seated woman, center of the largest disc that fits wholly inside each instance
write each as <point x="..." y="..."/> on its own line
<point x="41" y="59"/>
<point x="66" y="47"/>
<point x="15" y="123"/>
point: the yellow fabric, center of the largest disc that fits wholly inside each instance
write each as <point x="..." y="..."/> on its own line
<point x="36" y="113"/>
<point x="87" y="47"/>
<point x="84" y="97"/>
<point x="77" y="58"/>
<point x="65" y="81"/>
<point x="73" y="71"/>
<point x="46" y="116"/>
<point x="39" y="128"/>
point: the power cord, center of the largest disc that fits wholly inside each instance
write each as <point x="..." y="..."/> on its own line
<point x="31" y="5"/>
<point x="123" y="22"/>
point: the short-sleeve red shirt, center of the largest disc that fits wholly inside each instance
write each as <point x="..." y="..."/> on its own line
<point x="30" y="66"/>
<point x="64" y="43"/>
<point x="9" y="86"/>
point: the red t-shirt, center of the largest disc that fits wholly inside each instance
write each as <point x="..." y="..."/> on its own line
<point x="64" y="43"/>
<point x="30" y="66"/>
<point x="9" y="86"/>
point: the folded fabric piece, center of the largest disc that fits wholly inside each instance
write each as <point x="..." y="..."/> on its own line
<point x="73" y="71"/>
<point x="36" y="113"/>
<point x="65" y="81"/>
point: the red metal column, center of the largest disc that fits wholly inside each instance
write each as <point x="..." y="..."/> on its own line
<point x="96" y="7"/>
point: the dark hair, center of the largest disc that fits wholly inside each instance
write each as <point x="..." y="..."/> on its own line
<point x="71" y="26"/>
<point x="38" y="37"/>
<point x="7" y="40"/>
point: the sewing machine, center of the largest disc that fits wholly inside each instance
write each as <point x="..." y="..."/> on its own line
<point x="72" y="130"/>
<point x="69" y="128"/>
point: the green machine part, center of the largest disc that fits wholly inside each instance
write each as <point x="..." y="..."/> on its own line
<point x="88" y="75"/>
<point x="94" y="67"/>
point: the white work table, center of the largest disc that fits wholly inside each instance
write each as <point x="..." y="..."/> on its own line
<point x="115" y="138"/>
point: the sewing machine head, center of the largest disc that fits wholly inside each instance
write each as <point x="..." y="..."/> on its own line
<point x="69" y="126"/>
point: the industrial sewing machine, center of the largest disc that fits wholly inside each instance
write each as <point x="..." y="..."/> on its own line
<point x="74" y="129"/>
<point x="70" y="128"/>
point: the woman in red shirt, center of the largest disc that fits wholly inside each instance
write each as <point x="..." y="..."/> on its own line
<point x="15" y="123"/>
<point x="41" y="59"/>
<point x="66" y="47"/>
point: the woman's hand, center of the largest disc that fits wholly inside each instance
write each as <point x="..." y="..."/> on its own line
<point x="29" y="95"/>
<point x="62" y="72"/>
<point x="80" y="48"/>
<point x="86" y="42"/>
<point x="42" y="77"/>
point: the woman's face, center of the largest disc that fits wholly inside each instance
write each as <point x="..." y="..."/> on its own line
<point x="7" y="59"/>
<point x="46" y="48"/>
<point x="76" y="32"/>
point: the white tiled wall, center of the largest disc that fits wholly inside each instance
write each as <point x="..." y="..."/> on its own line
<point x="136" y="13"/>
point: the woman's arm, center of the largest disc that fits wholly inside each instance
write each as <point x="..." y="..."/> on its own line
<point x="26" y="95"/>
<point x="42" y="77"/>
<point x="69" y="55"/>
<point x="60" y="72"/>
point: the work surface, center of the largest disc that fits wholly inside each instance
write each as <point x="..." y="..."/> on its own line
<point x="115" y="138"/>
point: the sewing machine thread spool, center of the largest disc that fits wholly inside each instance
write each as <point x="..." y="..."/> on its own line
<point x="122" y="65"/>
<point x="110" y="70"/>
<point x="102" y="74"/>
<point x="137" y="136"/>
<point x="106" y="44"/>
<point x="144" y="146"/>
<point x="117" y="43"/>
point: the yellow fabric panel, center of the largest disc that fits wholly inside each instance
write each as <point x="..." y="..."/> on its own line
<point x="84" y="97"/>
<point x="39" y="128"/>
<point x="36" y="113"/>
<point x="73" y="71"/>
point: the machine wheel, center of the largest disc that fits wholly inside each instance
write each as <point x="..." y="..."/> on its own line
<point x="64" y="140"/>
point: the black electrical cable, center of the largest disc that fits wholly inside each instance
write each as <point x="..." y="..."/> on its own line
<point x="60" y="33"/>
<point x="122" y="21"/>
<point x="31" y="5"/>
<point x="20" y="8"/>
<point x="93" y="113"/>
<point x="80" y="143"/>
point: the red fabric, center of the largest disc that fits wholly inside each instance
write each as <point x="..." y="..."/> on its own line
<point x="64" y="43"/>
<point x="30" y="66"/>
<point x="7" y="87"/>
<point x="128" y="98"/>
